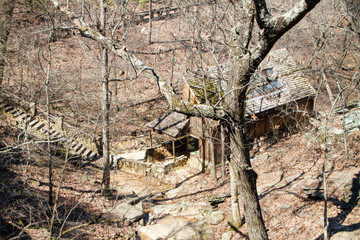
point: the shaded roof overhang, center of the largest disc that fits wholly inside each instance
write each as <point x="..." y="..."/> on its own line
<point x="173" y="124"/>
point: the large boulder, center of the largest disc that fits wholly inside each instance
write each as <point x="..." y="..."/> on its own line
<point x="215" y="216"/>
<point x="347" y="235"/>
<point x="174" y="230"/>
<point x="128" y="212"/>
<point x="351" y="196"/>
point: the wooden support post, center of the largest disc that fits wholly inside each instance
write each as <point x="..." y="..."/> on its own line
<point x="222" y="151"/>
<point x="203" y="146"/>
<point x="150" y="133"/>
<point x="212" y="153"/>
<point x="173" y="148"/>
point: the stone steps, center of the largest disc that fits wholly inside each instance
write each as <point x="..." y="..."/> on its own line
<point x="37" y="124"/>
<point x="164" y="13"/>
<point x="78" y="148"/>
<point x="43" y="129"/>
<point x="13" y="111"/>
<point x="8" y="108"/>
<point x="87" y="153"/>
<point x="23" y="117"/>
<point x="2" y="104"/>
<point x="82" y="150"/>
<point x="33" y="122"/>
<point x="19" y="114"/>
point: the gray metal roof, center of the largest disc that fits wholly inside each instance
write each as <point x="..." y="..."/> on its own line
<point x="294" y="85"/>
<point x="287" y="83"/>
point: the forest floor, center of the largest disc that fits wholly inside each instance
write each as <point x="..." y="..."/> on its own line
<point x="286" y="169"/>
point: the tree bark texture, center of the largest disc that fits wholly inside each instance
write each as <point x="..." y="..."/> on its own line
<point x="235" y="208"/>
<point x="243" y="63"/>
<point x="247" y="184"/>
<point x="47" y="85"/>
<point x="6" y="12"/>
<point x="150" y="20"/>
<point x="105" y="106"/>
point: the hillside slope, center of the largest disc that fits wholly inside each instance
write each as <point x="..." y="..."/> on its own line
<point x="289" y="185"/>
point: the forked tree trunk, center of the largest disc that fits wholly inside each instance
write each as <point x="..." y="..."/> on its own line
<point x="239" y="76"/>
<point x="244" y="61"/>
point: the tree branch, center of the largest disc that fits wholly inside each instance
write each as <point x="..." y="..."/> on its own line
<point x="275" y="27"/>
<point x="175" y="102"/>
<point x="263" y="16"/>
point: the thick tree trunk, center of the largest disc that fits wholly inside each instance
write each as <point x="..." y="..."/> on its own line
<point x="235" y="101"/>
<point x="6" y="8"/>
<point x="235" y="208"/>
<point x="247" y="184"/>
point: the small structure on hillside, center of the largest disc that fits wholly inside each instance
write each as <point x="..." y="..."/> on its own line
<point x="176" y="127"/>
<point x="279" y="98"/>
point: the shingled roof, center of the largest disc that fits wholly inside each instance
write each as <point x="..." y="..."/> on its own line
<point x="284" y="83"/>
<point x="173" y="124"/>
<point x="207" y="85"/>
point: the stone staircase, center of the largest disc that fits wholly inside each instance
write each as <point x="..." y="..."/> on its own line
<point x="164" y="13"/>
<point x="157" y="15"/>
<point x="38" y="126"/>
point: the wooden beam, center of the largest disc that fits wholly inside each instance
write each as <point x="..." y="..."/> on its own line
<point x="173" y="148"/>
<point x="212" y="152"/>
<point x="150" y="133"/>
<point x="222" y="151"/>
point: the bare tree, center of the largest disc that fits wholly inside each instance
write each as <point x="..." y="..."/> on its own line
<point x="244" y="60"/>
<point x="105" y="185"/>
<point x="150" y="20"/>
<point x="47" y="86"/>
<point x="6" y="13"/>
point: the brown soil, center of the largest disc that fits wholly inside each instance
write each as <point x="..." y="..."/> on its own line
<point x="284" y="168"/>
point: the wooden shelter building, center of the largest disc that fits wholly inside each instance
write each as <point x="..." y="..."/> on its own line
<point x="176" y="127"/>
<point x="279" y="98"/>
